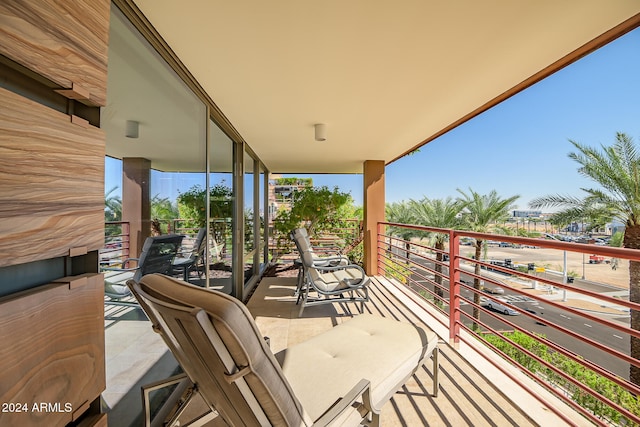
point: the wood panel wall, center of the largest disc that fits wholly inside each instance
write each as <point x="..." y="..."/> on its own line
<point x="64" y="41"/>
<point x="51" y="183"/>
<point x="52" y="352"/>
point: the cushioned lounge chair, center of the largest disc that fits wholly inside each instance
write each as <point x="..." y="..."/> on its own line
<point x="157" y="255"/>
<point x="333" y="282"/>
<point x="336" y="258"/>
<point x="301" y="237"/>
<point x="341" y="377"/>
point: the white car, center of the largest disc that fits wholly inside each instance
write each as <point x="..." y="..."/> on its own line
<point x="503" y="307"/>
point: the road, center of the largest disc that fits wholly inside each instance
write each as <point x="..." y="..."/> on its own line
<point x="587" y="328"/>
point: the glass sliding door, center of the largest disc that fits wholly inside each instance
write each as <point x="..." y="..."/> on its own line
<point x="262" y="237"/>
<point x="155" y="129"/>
<point x="222" y="197"/>
<point x="170" y="169"/>
<point x="249" y="217"/>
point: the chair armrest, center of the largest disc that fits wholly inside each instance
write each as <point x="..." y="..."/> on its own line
<point x="123" y="263"/>
<point x="326" y="250"/>
<point x="118" y="269"/>
<point x="328" y="259"/>
<point x="359" y="390"/>
<point x="364" y="279"/>
<point x="338" y="267"/>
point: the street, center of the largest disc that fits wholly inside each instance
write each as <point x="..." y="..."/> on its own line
<point x="524" y="304"/>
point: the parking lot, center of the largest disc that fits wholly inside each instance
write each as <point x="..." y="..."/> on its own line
<point x="552" y="259"/>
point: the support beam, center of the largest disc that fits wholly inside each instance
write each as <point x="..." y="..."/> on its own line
<point x="237" y="260"/>
<point x="136" y="201"/>
<point x="374" y="201"/>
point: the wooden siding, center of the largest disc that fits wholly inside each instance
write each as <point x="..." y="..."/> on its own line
<point x="51" y="183"/>
<point x="57" y="360"/>
<point x="66" y="42"/>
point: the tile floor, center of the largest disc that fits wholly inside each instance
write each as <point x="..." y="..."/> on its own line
<point x="136" y="356"/>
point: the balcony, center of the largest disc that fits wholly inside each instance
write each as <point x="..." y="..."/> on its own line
<point x="481" y="384"/>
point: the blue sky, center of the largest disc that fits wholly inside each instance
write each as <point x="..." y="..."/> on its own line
<point x="520" y="147"/>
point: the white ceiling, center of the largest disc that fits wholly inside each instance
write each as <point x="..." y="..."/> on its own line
<point x="383" y="75"/>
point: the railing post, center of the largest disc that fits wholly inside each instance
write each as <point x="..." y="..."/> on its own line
<point x="454" y="287"/>
<point x="126" y="231"/>
<point x="379" y="232"/>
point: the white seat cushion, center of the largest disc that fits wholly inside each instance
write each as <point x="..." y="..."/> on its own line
<point x="336" y="280"/>
<point x="115" y="283"/>
<point x="382" y="350"/>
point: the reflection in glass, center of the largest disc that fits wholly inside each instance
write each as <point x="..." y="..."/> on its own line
<point x="249" y="217"/>
<point x="221" y="210"/>
<point x="262" y="237"/>
<point x="169" y="150"/>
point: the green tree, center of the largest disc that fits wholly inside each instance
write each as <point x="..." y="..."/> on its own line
<point x="161" y="210"/>
<point x="192" y="204"/>
<point x="316" y="208"/>
<point x="588" y="211"/>
<point x="439" y="213"/>
<point x="402" y="213"/>
<point x="616" y="169"/>
<point x="307" y="182"/>
<point x="112" y="213"/>
<point x="482" y="213"/>
<point x="112" y="206"/>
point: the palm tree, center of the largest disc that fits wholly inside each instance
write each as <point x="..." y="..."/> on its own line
<point x="161" y="210"/>
<point x="616" y="169"/>
<point x="439" y="213"/>
<point x="401" y="213"/>
<point x="481" y="213"/>
<point x="112" y="206"/>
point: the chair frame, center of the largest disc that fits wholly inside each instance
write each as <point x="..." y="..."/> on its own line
<point x="148" y="263"/>
<point x="356" y="293"/>
<point x="194" y="341"/>
<point x="196" y="256"/>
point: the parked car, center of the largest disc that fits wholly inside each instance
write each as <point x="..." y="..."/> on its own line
<point x="503" y="307"/>
<point x="496" y="290"/>
<point x="466" y="241"/>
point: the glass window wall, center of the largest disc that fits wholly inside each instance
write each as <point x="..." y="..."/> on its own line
<point x="221" y="205"/>
<point x="175" y="173"/>
<point x="249" y="217"/>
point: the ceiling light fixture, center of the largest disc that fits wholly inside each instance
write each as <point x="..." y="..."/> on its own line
<point x="133" y="129"/>
<point x="321" y="131"/>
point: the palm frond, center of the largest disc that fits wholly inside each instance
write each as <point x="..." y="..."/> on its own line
<point x="555" y="200"/>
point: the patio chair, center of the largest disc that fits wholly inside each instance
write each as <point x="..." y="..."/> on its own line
<point x="341" y="377"/>
<point x="333" y="281"/>
<point x="193" y="257"/>
<point x="156" y="256"/>
<point x="334" y="259"/>
<point x="300" y="236"/>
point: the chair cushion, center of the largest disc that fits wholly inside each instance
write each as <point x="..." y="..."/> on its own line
<point x="331" y="281"/>
<point x="181" y="262"/>
<point x="382" y="350"/>
<point x="115" y="284"/>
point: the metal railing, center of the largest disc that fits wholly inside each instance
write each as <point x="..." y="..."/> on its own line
<point x="116" y="243"/>
<point x="572" y="338"/>
<point x="344" y="238"/>
<point x="116" y="247"/>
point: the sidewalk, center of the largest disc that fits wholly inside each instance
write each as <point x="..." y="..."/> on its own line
<point x="575" y="299"/>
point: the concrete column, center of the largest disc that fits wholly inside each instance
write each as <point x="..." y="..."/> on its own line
<point x="374" y="201"/>
<point x="136" y="201"/>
